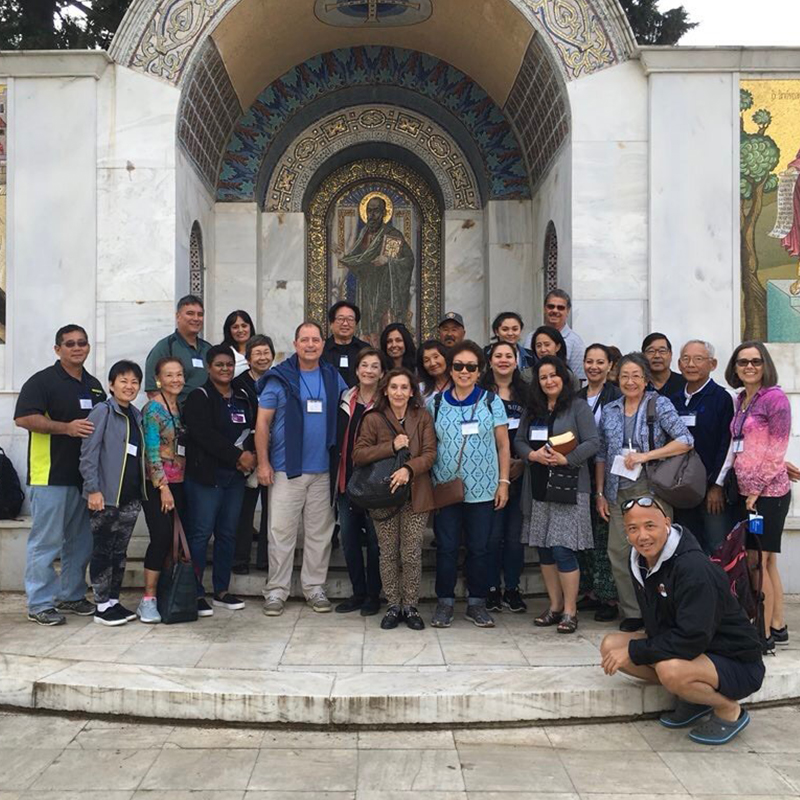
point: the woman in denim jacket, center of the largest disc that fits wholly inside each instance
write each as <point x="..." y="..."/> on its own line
<point x="624" y="436"/>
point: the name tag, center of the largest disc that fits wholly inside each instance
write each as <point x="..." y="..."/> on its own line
<point x="513" y="423"/>
<point x="198" y="362"/>
<point x="238" y="417"/>
<point x="738" y="445"/>
<point x="132" y="449"/>
<point x="180" y="450"/>
<point x="537" y="434"/>
<point x="344" y="361"/>
<point x="469" y="428"/>
<point x="313" y="406"/>
<point x="689" y="420"/>
<point x="86" y="403"/>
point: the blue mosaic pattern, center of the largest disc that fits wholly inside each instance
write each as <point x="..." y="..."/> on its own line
<point x="373" y="66"/>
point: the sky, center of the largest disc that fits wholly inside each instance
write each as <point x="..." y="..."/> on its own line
<point x="744" y="22"/>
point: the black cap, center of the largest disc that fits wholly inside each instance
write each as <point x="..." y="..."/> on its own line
<point x="452" y="316"/>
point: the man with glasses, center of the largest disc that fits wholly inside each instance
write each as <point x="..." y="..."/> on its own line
<point x="343" y="346"/>
<point x="657" y="350"/>
<point x="707" y="410"/>
<point x="697" y="642"/>
<point x="52" y="406"/>
<point x="557" y="308"/>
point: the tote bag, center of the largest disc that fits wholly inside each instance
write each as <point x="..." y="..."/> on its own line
<point x="177" y="584"/>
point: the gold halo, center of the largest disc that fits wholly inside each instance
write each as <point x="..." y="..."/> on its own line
<point x="362" y="206"/>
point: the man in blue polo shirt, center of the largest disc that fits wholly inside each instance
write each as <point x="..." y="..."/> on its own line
<point x="295" y="440"/>
<point x="707" y="410"/>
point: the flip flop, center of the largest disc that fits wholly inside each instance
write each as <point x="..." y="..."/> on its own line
<point x="719" y="731"/>
<point x="685" y="714"/>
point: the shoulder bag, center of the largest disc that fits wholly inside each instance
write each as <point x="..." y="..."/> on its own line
<point x="177" y="584"/>
<point x="450" y="492"/>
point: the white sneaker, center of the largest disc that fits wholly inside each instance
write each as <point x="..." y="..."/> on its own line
<point x="273" y="607"/>
<point x="148" y="611"/>
<point x="319" y="602"/>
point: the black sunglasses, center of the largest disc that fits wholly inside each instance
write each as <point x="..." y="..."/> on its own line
<point x="458" y="367"/>
<point x="643" y="502"/>
<point x="743" y="362"/>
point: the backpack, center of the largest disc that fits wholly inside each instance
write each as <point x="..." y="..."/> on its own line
<point x="731" y="555"/>
<point x="11" y="495"/>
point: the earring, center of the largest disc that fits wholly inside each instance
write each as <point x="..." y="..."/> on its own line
<point x="158" y="384"/>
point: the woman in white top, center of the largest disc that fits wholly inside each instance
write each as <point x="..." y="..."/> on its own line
<point x="237" y="329"/>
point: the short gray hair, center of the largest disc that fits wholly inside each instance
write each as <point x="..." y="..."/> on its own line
<point x="708" y="346"/>
<point x="561" y="294"/>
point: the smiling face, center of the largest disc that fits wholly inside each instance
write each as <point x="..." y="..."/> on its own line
<point x="465" y="371"/>
<point x="240" y="331"/>
<point x="549" y="381"/>
<point x="647" y="530"/>
<point x="695" y="363"/>
<point x="658" y="355"/>
<point x="451" y="333"/>
<point x="171" y="377"/>
<point x="369" y="371"/>
<point x="189" y="321"/>
<point x="343" y="326"/>
<point x="220" y="370"/>
<point x="596" y="366"/>
<point x="125" y="387"/>
<point x="308" y="344"/>
<point x="434" y="362"/>
<point x="509" y="330"/>
<point x="73" y="350"/>
<point x="503" y="360"/>
<point x="750" y="374"/>
<point x="395" y="346"/>
<point x="632" y="381"/>
<point x="261" y="358"/>
<point x="556" y="311"/>
<point x="545" y="346"/>
<point x="398" y="391"/>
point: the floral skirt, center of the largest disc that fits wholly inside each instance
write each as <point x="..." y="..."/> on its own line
<point x="559" y="525"/>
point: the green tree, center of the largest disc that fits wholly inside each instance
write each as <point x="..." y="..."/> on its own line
<point x="759" y="155"/>
<point x="651" y="26"/>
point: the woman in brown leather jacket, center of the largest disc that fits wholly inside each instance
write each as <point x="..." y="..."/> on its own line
<point x="400" y="535"/>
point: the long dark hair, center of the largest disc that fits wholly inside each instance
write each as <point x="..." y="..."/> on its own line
<point x="382" y="401"/>
<point x="501" y="318"/>
<point x="425" y="376"/>
<point x="519" y="390"/>
<point x="410" y="356"/>
<point x="226" y="327"/>
<point x="537" y="399"/>
<point x="555" y="335"/>
<point x="770" y="374"/>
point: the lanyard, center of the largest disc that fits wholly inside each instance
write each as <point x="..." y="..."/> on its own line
<point x="474" y="407"/>
<point x="744" y="414"/>
<point x="312" y="396"/>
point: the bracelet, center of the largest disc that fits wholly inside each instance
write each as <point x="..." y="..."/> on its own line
<point x="505" y="480"/>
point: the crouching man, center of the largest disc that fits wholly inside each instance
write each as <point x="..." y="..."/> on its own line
<point x="697" y="642"/>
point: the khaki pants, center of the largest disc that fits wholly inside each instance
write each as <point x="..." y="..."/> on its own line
<point x="306" y="497"/>
<point x="619" y="550"/>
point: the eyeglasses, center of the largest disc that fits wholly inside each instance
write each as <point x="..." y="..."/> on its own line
<point x="693" y="359"/>
<point x="645" y="501"/>
<point x="75" y="343"/>
<point x="656" y="351"/>
<point x="554" y="307"/>
<point x="458" y="366"/>
<point x="744" y="362"/>
<point x="342" y="320"/>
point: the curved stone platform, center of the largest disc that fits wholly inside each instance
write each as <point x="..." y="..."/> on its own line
<point x="329" y="670"/>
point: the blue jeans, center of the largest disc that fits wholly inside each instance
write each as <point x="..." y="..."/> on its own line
<point x="709" y="529"/>
<point x="506" y="551"/>
<point x="213" y="510"/>
<point x="366" y="582"/>
<point x="474" y="521"/>
<point x="60" y="527"/>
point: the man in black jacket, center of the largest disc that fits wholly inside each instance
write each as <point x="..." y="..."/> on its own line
<point x="698" y="642"/>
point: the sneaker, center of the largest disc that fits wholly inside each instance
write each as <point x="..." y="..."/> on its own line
<point x="478" y="615"/>
<point x="494" y="600"/>
<point x="82" y="607"/>
<point x="442" y="616"/>
<point x="273" y="606"/>
<point x="148" y="611"/>
<point x="780" y="635"/>
<point x="768" y="646"/>
<point x="413" y="618"/>
<point x="319" y="602"/>
<point x="372" y="605"/>
<point x="631" y="624"/>
<point x="353" y="603"/>
<point x="128" y="614"/>
<point x="47" y="617"/>
<point x="391" y="619"/>
<point x="227" y="600"/>
<point x="203" y="608"/>
<point x="112" y="616"/>
<point x="513" y="601"/>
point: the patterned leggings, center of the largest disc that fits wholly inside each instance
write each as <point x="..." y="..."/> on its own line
<point x="111" y="531"/>
<point x="400" y="541"/>
<point x="596" y="575"/>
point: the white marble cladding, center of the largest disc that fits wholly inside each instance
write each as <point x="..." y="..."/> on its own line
<point x="464" y="272"/>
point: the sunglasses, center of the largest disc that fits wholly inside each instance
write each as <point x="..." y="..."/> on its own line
<point x="554" y="307"/>
<point x="643" y="502"/>
<point x="75" y="343"/>
<point x="743" y="362"/>
<point x="458" y="366"/>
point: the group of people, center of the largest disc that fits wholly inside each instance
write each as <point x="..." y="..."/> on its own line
<point x="536" y="440"/>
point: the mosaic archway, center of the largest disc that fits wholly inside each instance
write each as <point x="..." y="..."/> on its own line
<point x="335" y="239"/>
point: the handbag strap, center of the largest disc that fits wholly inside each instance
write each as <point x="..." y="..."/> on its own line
<point x="651" y="422"/>
<point x="178" y="538"/>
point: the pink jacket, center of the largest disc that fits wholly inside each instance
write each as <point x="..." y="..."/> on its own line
<point x="765" y="427"/>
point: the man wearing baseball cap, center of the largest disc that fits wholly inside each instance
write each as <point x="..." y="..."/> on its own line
<point x="451" y="329"/>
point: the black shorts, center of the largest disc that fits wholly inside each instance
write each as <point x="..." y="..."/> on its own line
<point x="737" y="679"/>
<point x="774" y="511"/>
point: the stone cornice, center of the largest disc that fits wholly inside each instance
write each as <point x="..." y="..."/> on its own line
<point x="54" y="63"/>
<point x="719" y="59"/>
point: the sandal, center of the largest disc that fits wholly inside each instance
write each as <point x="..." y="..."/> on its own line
<point x="549" y="618"/>
<point x="568" y="624"/>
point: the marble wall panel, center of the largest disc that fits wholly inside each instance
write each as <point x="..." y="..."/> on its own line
<point x="619" y="322"/>
<point x="464" y="282"/>
<point x="508" y="221"/>
<point x="509" y="279"/>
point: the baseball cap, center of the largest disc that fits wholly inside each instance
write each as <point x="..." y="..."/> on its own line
<point x="452" y="316"/>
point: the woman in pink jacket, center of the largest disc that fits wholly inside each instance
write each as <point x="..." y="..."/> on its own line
<point x="760" y="436"/>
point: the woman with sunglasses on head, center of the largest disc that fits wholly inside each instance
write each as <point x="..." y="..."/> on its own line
<point x="760" y="432"/>
<point x="557" y="522"/>
<point x="506" y="551"/>
<point x="237" y="330"/>
<point x="398" y="347"/>
<point x="472" y="444"/>
<point x="619" y="465"/>
<point x="597" y="581"/>
<point x="434" y="376"/>
<point x="507" y="327"/>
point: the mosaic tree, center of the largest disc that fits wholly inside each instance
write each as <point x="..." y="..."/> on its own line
<point x="759" y="155"/>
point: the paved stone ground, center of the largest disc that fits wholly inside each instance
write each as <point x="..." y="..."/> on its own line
<point x="45" y="757"/>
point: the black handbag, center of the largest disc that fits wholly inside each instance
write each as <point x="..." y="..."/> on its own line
<point x="177" y="584"/>
<point x="730" y="488"/>
<point x="562" y="486"/>
<point x="369" y="486"/>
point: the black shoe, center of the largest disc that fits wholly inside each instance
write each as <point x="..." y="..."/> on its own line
<point x="353" y="603"/>
<point x="112" y="616"/>
<point x="241" y="569"/>
<point x="587" y="603"/>
<point x="391" y="619"/>
<point x="49" y="617"/>
<point x="129" y="615"/>
<point x="606" y="613"/>
<point x="227" y="600"/>
<point x="83" y="608"/>
<point x="780" y="635"/>
<point x="768" y="646"/>
<point x="203" y="608"/>
<point x="494" y="600"/>
<point x="513" y="601"/>
<point x="413" y="619"/>
<point x="631" y="624"/>
<point x="372" y="605"/>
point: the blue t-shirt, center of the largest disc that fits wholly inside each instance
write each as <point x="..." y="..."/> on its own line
<point x="315" y="452"/>
<point x="480" y="469"/>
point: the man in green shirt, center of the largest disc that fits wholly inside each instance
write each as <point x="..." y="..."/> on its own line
<point x="184" y="344"/>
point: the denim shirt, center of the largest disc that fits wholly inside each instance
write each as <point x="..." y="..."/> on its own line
<point x="668" y="427"/>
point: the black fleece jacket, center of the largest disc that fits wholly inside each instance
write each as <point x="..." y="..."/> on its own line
<point x="688" y="610"/>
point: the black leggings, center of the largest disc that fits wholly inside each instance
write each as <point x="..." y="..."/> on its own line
<point x="160" y="525"/>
